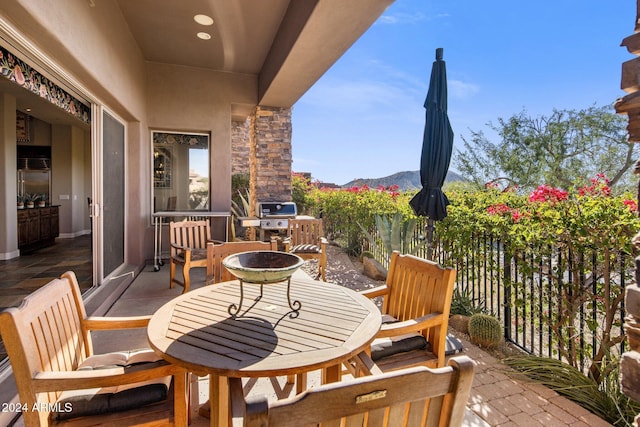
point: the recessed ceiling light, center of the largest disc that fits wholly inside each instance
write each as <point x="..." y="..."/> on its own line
<point x="203" y="19"/>
<point x="204" y="36"/>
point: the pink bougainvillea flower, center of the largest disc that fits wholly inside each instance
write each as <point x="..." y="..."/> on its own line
<point x="498" y="209"/>
<point x="599" y="187"/>
<point x="516" y="215"/>
<point x="545" y="193"/>
<point x="631" y="204"/>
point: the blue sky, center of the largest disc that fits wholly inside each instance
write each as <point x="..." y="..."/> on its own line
<point x="364" y="118"/>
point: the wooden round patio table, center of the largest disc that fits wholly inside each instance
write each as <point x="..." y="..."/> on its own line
<point x="266" y="338"/>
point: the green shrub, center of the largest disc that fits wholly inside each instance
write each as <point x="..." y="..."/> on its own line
<point x="395" y="233"/>
<point x="462" y="303"/>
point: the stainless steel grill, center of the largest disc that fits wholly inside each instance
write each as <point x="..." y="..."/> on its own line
<point x="276" y="215"/>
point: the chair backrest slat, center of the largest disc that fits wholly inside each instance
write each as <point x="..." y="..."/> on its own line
<point x="417" y="287"/>
<point x="192" y="234"/>
<point x="305" y="231"/>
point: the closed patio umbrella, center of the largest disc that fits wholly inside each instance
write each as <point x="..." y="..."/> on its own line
<point x="437" y="144"/>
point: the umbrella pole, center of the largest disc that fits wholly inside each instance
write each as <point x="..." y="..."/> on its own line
<point x="430" y="228"/>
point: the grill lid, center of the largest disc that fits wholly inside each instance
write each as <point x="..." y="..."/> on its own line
<point x="277" y="209"/>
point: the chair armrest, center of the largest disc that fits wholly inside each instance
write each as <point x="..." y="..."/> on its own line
<point x="323" y="242"/>
<point x="378" y="291"/>
<point x="77" y="380"/>
<point x="181" y="247"/>
<point x="414" y="325"/>
<point x="287" y="244"/>
<point x="108" y="323"/>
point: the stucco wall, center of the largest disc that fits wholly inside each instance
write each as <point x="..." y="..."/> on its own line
<point x="199" y="100"/>
<point x="240" y="147"/>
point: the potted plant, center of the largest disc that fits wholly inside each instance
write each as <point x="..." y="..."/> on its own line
<point x="30" y="200"/>
<point x="20" y="202"/>
<point x="42" y="200"/>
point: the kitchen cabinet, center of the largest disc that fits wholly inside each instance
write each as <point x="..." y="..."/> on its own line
<point x="37" y="228"/>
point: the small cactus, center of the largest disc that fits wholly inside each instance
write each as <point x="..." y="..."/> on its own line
<point x="485" y="330"/>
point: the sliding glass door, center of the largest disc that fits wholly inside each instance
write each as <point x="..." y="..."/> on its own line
<point x="108" y="194"/>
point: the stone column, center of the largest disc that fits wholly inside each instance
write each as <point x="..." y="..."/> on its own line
<point x="273" y="154"/>
<point x="253" y="171"/>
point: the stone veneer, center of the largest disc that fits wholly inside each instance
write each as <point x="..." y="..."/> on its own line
<point x="240" y="146"/>
<point x="273" y="156"/>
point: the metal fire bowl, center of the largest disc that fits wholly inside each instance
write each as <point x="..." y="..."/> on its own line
<point x="262" y="266"/>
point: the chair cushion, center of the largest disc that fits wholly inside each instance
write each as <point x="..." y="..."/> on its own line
<point x="196" y="254"/>
<point x="78" y="403"/>
<point x="306" y="249"/>
<point x="384" y="347"/>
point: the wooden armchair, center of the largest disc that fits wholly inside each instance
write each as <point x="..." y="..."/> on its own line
<point x="307" y="241"/>
<point x="402" y="398"/>
<point x="188" y="241"/>
<point x="61" y="382"/>
<point x="216" y="272"/>
<point x="417" y="300"/>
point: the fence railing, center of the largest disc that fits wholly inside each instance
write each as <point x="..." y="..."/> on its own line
<point x="553" y="301"/>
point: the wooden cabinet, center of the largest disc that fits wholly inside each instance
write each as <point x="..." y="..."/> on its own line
<point x="23" y="228"/>
<point x="37" y="228"/>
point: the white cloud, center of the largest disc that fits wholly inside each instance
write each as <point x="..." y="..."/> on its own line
<point x="460" y="89"/>
<point x="356" y="96"/>
<point x="401" y="18"/>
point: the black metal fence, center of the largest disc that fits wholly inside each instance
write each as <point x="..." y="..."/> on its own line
<point x="554" y="301"/>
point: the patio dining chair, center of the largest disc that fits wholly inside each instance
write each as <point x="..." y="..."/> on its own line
<point x="306" y="240"/>
<point x="61" y="381"/>
<point x="408" y="397"/>
<point x="188" y="248"/>
<point x="415" y="313"/>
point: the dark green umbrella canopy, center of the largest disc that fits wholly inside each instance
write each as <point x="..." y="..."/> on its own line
<point x="437" y="145"/>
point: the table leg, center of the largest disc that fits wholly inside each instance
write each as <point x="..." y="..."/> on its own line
<point x="218" y="403"/>
<point x="332" y="374"/>
<point x="301" y="382"/>
<point x="156" y="244"/>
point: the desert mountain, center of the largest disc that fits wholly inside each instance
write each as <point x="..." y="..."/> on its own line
<point x="407" y="180"/>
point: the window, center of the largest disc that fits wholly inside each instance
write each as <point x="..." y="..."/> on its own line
<point x="180" y="171"/>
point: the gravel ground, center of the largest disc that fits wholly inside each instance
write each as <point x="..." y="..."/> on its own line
<point x="343" y="270"/>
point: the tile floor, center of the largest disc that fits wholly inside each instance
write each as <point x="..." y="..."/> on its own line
<point x="23" y="275"/>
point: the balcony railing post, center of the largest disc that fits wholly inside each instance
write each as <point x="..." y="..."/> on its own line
<point x="507" y="293"/>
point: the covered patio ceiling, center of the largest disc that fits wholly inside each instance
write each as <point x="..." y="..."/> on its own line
<point x="288" y="44"/>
